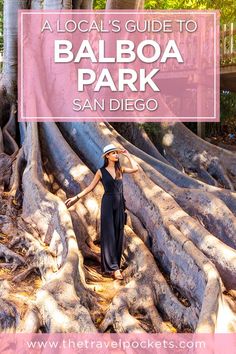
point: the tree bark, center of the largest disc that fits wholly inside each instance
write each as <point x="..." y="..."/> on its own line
<point x="175" y="176"/>
<point x="124" y="4"/>
<point x="53" y="4"/>
<point x="207" y="162"/>
<point x="36" y="4"/>
<point x="10" y="48"/>
<point x="82" y="4"/>
<point x="137" y="136"/>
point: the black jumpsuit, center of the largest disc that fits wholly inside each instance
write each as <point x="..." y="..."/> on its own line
<point x="112" y="222"/>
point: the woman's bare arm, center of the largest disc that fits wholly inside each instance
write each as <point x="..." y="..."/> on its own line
<point x="129" y="170"/>
<point x="91" y="186"/>
<point x="134" y="165"/>
<point x="69" y="202"/>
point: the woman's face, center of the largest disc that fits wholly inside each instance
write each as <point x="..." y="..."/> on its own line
<point x="113" y="156"/>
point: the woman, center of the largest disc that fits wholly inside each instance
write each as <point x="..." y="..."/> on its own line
<point x="112" y="207"/>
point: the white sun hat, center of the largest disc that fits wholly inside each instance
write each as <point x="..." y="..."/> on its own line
<point x="109" y="148"/>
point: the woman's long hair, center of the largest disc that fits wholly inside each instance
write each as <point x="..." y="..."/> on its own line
<point x="117" y="167"/>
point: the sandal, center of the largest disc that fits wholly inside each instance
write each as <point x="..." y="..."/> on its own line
<point x="117" y="275"/>
<point x="107" y="274"/>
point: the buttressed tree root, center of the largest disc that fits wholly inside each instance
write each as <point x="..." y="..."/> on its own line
<point x="174" y="275"/>
<point x="65" y="179"/>
<point x="157" y="211"/>
<point x="210" y="163"/>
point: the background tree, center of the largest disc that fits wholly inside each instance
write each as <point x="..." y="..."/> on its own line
<point x="227" y="8"/>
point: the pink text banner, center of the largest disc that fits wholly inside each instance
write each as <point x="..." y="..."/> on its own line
<point x="118" y="343"/>
<point x="118" y="65"/>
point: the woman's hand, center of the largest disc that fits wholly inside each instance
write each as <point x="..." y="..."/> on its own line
<point x="125" y="153"/>
<point x="69" y="202"/>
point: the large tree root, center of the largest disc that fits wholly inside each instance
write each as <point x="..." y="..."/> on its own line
<point x="144" y="189"/>
<point x="1" y="141"/>
<point x="10" y="256"/>
<point x="9" y="316"/>
<point x="5" y="104"/>
<point x="207" y="205"/>
<point x="212" y="164"/>
<point x="158" y="213"/>
<point x="73" y="176"/>
<point x="133" y="263"/>
<point x="8" y="149"/>
<point x="78" y="165"/>
<point x="161" y="224"/>
<point x="144" y="292"/>
<point x="9" y="134"/>
<point x="172" y="174"/>
<point x="5" y="170"/>
<point x="57" y="301"/>
<point x="138" y="137"/>
<point x="15" y="191"/>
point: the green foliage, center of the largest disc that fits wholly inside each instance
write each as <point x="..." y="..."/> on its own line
<point x="227" y="106"/>
<point x="226" y="7"/>
<point x="227" y="118"/>
<point x="99" y="4"/>
<point x="227" y="122"/>
<point x="154" y="132"/>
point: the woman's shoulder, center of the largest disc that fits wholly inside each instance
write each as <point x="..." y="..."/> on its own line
<point x="99" y="171"/>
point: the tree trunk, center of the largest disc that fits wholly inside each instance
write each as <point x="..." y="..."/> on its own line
<point x="201" y="130"/>
<point x="36" y="4"/>
<point x="124" y="4"/>
<point x="82" y="4"/>
<point x="67" y="4"/>
<point x="207" y="162"/>
<point x="10" y="44"/>
<point x="53" y="4"/>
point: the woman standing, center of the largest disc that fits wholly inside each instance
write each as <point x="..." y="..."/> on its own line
<point x="112" y="207"/>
